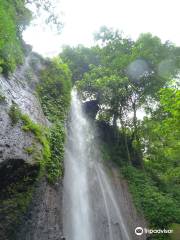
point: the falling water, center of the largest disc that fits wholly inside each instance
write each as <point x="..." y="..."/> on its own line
<point x="90" y="208"/>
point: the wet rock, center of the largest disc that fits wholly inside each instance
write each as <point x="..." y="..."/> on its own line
<point x="91" y="108"/>
<point x="45" y="225"/>
<point x="24" y="197"/>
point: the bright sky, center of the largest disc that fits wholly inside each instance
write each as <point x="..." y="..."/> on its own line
<point x="84" y="17"/>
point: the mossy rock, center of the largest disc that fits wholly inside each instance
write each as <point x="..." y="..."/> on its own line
<point x="17" y="180"/>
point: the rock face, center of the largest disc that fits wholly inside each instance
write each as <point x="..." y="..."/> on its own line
<point x="20" y="183"/>
<point x="91" y="108"/>
<point x="14" y="141"/>
<point x="43" y="220"/>
<point x="30" y="208"/>
<point x="133" y="218"/>
<point x="19" y="88"/>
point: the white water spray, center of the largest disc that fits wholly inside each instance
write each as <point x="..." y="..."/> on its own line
<point x="90" y="208"/>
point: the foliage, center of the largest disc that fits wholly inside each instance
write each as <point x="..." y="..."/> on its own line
<point x="55" y="164"/>
<point x="14" y="18"/>
<point x="131" y="67"/>
<point x="2" y="98"/>
<point x="54" y="90"/>
<point x="29" y="150"/>
<point x="39" y="131"/>
<point x="131" y="76"/>
<point x="14" y="207"/>
<point x="79" y="60"/>
<point x="54" y="93"/>
<point x="16" y="194"/>
<point x="161" y="141"/>
<point x="46" y="10"/>
<point x="151" y="194"/>
<point x="41" y="135"/>
<point x="149" y="198"/>
<point x="128" y="77"/>
<point x="14" y="114"/>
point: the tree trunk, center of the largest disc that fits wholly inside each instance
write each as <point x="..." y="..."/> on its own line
<point x="137" y="154"/>
<point x="125" y="140"/>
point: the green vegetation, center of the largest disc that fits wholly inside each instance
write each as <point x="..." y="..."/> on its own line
<point x="15" y="206"/>
<point x="40" y="133"/>
<point x="151" y="199"/>
<point x="54" y="93"/>
<point x="17" y="177"/>
<point x="130" y="76"/>
<point x="55" y="163"/>
<point x="124" y="76"/>
<point x="54" y="90"/>
<point x="14" y="114"/>
<point x="46" y="149"/>
<point x="14" y="18"/>
<point x="16" y="193"/>
<point x="29" y="150"/>
<point x="52" y="141"/>
<point x="47" y="10"/>
<point x="2" y="98"/>
<point x="176" y="231"/>
<point x="79" y="60"/>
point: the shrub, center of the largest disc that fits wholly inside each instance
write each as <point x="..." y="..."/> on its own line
<point x="55" y="163"/>
<point x="14" y="17"/>
<point x="160" y="209"/>
<point x="54" y="93"/>
<point x="14" y="114"/>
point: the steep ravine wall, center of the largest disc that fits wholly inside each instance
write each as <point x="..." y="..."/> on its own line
<point x="29" y="206"/>
<point x="131" y="216"/>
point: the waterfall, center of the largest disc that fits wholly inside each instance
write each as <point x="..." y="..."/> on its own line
<point x="91" y="211"/>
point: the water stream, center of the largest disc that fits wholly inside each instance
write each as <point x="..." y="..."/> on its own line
<point x="91" y="211"/>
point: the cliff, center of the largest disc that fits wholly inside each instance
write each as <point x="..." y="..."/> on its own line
<point x="29" y="205"/>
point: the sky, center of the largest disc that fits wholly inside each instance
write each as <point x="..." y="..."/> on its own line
<point x="82" y="18"/>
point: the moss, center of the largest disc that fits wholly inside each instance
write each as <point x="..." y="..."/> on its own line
<point x="14" y="114"/>
<point x="154" y="200"/>
<point x="54" y="93"/>
<point x="2" y="98"/>
<point x="12" y="209"/>
<point x="52" y="141"/>
<point x="17" y="180"/>
<point x="29" y="74"/>
<point x="55" y="163"/>
<point x="29" y="150"/>
<point x="41" y="133"/>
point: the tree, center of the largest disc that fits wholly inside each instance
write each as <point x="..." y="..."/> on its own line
<point x="79" y="59"/>
<point x="162" y="130"/>
<point x="128" y="77"/>
<point x="46" y="10"/>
